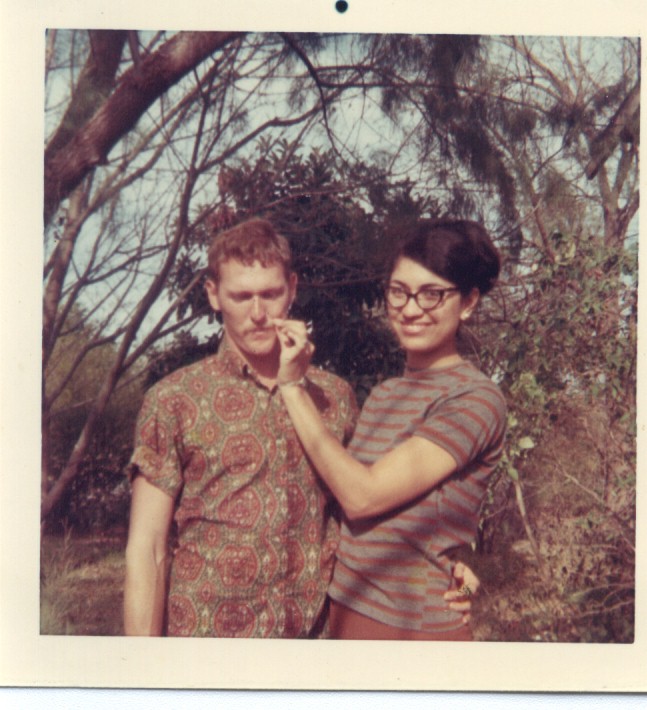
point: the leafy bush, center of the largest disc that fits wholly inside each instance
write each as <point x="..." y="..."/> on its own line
<point x="562" y="509"/>
<point x="98" y="498"/>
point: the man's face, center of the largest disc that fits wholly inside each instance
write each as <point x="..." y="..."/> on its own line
<point x="249" y="297"/>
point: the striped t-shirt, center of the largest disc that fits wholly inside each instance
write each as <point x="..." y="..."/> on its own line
<point x="394" y="568"/>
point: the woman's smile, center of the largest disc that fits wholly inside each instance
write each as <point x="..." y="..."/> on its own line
<point x="428" y="336"/>
<point x="413" y="328"/>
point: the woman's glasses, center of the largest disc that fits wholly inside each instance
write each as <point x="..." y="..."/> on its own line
<point x="427" y="297"/>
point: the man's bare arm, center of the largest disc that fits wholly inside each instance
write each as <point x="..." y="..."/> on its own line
<point x="151" y="513"/>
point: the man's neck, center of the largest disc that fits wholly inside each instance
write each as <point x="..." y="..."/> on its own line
<point x="265" y="366"/>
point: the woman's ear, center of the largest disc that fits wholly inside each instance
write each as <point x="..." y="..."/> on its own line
<point x="469" y="304"/>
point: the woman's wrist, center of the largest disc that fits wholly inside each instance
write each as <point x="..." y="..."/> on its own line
<point x="299" y="382"/>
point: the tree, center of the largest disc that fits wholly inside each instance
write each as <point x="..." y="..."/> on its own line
<point x="99" y="114"/>
<point x="339" y="241"/>
<point x="98" y="498"/>
<point x="126" y="264"/>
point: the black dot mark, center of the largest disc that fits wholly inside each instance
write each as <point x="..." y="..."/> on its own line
<point x="341" y="6"/>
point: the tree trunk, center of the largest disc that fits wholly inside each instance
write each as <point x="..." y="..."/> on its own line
<point x="52" y="496"/>
<point x="137" y="90"/>
<point x="95" y="83"/>
<point x="61" y="259"/>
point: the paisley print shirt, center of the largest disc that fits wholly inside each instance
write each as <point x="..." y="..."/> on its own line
<point x="256" y="528"/>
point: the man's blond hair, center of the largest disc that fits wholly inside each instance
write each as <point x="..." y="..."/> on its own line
<point x="248" y="242"/>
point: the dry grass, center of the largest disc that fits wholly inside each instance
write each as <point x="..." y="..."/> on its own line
<point x="82" y="586"/>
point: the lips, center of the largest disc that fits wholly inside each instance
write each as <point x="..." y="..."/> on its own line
<point x="261" y="332"/>
<point x="413" y="329"/>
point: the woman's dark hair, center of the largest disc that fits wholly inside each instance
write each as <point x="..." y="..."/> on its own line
<point x="459" y="251"/>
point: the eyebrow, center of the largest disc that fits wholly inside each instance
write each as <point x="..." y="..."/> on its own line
<point x="245" y="293"/>
<point x="438" y="287"/>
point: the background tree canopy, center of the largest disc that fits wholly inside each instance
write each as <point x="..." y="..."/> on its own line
<point x="156" y="140"/>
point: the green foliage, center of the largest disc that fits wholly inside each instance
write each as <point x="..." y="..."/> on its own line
<point x="340" y="227"/>
<point x="566" y="360"/>
<point x="98" y="498"/>
<point x="571" y="331"/>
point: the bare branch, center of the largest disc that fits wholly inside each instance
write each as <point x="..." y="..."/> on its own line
<point x="622" y="124"/>
<point x="137" y="90"/>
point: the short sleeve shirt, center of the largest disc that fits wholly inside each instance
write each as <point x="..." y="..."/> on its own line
<point x="256" y="528"/>
<point x="396" y="568"/>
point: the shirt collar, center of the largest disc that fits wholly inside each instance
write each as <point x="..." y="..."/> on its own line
<point x="234" y="363"/>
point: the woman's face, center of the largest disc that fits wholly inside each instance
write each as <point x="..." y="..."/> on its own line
<point x="428" y="335"/>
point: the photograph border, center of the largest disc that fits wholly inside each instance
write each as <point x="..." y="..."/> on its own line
<point x="28" y="659"/>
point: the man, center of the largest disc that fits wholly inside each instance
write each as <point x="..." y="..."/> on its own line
<point x="215" y="454"/>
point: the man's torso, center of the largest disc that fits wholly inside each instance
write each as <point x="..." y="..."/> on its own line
<point x="256" y="533"/>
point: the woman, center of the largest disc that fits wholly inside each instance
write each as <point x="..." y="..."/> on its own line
<point x="413" y="478"/>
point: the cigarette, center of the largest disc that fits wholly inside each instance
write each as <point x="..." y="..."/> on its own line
<point x="309" y="325"/>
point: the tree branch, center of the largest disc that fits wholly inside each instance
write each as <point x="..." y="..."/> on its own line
<point x="73" y="465"/>
<point x="136" y="92"/>
<point x="605" y="142"/>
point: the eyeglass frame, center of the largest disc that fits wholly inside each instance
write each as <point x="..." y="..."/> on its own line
<point x="442" y="291"/>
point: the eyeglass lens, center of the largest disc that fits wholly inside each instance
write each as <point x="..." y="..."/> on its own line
<point x="426" y="298"/>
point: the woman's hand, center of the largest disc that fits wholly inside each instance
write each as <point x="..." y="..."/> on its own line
<point x="460" y="599"/>
<point x="296" y="350"/>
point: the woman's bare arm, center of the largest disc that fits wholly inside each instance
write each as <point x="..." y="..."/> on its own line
<point x="409" y="470"/>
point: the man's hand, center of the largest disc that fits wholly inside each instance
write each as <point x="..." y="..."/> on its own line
<point x="467" y="586"/>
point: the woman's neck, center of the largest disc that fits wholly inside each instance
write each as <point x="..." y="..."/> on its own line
<point x="417" y="362"/>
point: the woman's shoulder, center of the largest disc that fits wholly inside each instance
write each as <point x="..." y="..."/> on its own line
<point x="463" y="384"/>
<point x="479" y="395"/>
<point x="470" y="378"/>
<point x="468" y="371"/>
